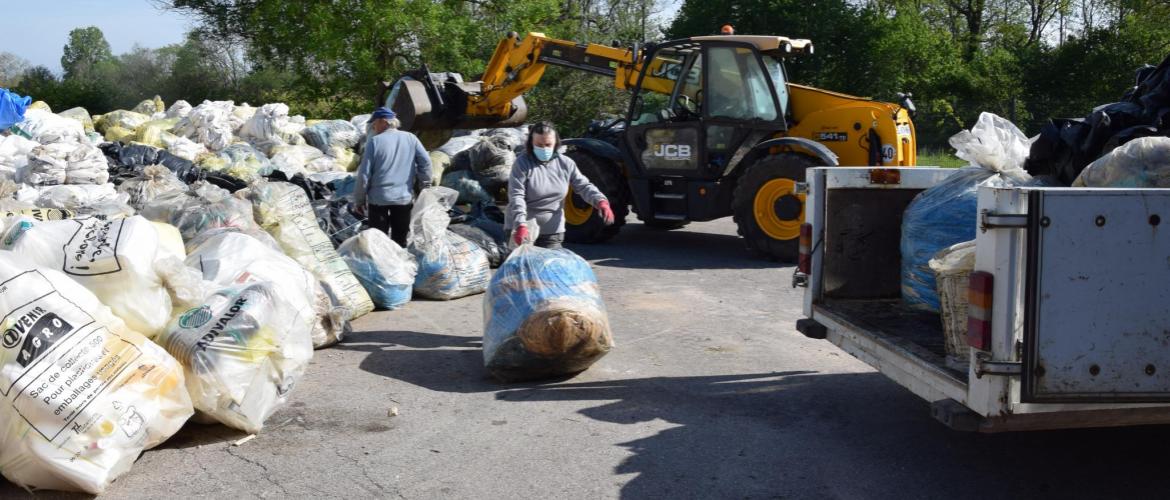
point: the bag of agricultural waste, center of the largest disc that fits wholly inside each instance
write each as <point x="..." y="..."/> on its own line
<point x="41" y="105"/>
<point x="327" y="134"/>
<point x="85" y="394"/>
<point x="121" y="118"/>
<point x="210" y="124"/>
<point x="81" y="115"/>
<point x="14" y="151"/>
<point x="292" y="159"/>
<point x="490" y="160"/>
<point x="117" y="259"/>
<point x="449" y="266"/>
<point x="485" y="233"/>
<point x="362" y="124"/>
<point x="241" y="114"/>
<point x="179" y="109"/>
<point x="337" y="220"/>
<point x="47" y="128"/>
<point x="66" y="163"/>
<point x="1140" y="163"/>
<point x="458" y="145"/>
<point x="85" y="200"/>
<point x="12" y="108"/>
<point x="156" y="133"/>
<point x="284" y="211"/>
<point x="242" y="352"/>
<point x="204" y="207"/>
<point x="155" y="181"/>
<point x="228" y="257"/>
<point x="384" y="268"/>
<point x="139" y="156"/>
<point x="269" y="127"/>
<point x="543" y="316"/>
<point x="184" y="148"/>
<point x="150" y="106"/>
<point x="946" y="213"/>
<point x="240" y="160"/>
<point x="469" y="189"/>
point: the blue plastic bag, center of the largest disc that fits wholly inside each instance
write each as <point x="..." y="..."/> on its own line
<point x="384" y="269"/>
<point x="946" y="214"/>
<point x="543" y="316"/>
<point x="12" y="107"/>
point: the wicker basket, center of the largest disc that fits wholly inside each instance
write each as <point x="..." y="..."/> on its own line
<point x="952" y="267"/>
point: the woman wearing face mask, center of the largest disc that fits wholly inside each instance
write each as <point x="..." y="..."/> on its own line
<point x="540" y="179"/>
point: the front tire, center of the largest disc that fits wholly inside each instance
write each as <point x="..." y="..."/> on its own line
<point x="583" y="224"/>
<point x="767" y="210"/>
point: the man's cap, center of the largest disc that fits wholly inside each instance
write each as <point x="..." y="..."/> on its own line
<point x="382" y="112"/>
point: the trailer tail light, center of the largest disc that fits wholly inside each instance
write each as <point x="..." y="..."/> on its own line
<point x="804" y="262"/>
<point x="979" y="298"/>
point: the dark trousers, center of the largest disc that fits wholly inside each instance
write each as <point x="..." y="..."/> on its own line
<point x="551" y="241"/>
<point x="393" y="220"/>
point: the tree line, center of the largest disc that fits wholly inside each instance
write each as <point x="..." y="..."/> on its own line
<point x="1028" y="60"/>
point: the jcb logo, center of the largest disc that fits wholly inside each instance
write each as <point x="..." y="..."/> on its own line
<point x="673" y="151"/>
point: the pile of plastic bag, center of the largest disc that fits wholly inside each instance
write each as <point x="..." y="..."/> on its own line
<point x="1066" y="146"/>
<point x="243" y="350"/>
<point x="449" y="266"/>
<point x="66" y="163"/>
<point x="946" y="214"/>
<point x="284" y="211"/>
<point x="543" y="316"/>
<point x="386" y="270"/>
<point x="85" y="394"/>
<point x="118" y="260"/>
<point x="210" y="124"/>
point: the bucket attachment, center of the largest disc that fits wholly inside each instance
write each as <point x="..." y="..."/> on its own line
<point x="426" y="101"/>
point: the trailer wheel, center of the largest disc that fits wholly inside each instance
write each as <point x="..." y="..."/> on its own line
<point x="767" y="210"/>
<point x="582" y="223"/>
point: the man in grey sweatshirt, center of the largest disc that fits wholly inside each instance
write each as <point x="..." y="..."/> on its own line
<point x="391" y="162"/>
<point x="536" y="190"/>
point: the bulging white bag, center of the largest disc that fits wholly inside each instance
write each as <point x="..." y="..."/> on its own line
<point x="228" y="257"/>
<point x="83" y="395"/>
<point x="115" y="259"/>
<point x="242" y="350"/>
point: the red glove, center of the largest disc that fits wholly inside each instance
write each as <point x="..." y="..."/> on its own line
<point x="606" y="212"/>
<point x="520" y="234"/>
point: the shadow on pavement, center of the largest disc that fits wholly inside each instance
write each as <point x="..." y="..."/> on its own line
<point x="644" y="247"/>
<point x="444" y="363"/>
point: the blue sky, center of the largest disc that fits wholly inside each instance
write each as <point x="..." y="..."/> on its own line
<point x="38" y="29"/>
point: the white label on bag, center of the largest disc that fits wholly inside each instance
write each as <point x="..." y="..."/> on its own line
<point x="93" y="249"/>
<point x="56" y="358"/>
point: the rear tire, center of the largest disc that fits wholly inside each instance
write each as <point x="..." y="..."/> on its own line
<point x="583" y="224"/>
<point x="767" y="211"/>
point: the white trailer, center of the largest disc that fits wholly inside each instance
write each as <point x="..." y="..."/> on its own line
<point x="1071" y="300"/>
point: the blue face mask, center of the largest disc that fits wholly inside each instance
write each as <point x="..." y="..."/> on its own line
<point x="543" y="154"/>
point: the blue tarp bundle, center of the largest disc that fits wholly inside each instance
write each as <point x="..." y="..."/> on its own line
<point x="12" y="107"/>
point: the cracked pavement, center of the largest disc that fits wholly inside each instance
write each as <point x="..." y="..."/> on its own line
<point x="710" y="393"/>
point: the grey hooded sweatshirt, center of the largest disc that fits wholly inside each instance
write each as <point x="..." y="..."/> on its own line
<point x="537" y="191"/>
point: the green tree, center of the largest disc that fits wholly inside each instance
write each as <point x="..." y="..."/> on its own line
<point x="85" y="52"/>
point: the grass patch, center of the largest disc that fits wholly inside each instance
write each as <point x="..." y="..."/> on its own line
<point x="939" y="158"/>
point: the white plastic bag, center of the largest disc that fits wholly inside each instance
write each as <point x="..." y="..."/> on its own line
<point x="115" y="259"/>
<point x="385" y="269"/>
<point x="201" y="208"/>
<point x="242" y="350"/>
<point x="270" y="127"/>
<point x="155" y="181"/>
<point x="210" y="124"/>
<point x="179" y="109"/>
<point x="284" y="211"/>
<point x="66" y="163"/>
<point x="83" y="394"/>
<point x="292" y="159"/>
<point x="449" y="266"/>
<point x="227" y="257"/>
<point x="99" y="200"/>
<point x="1140" y="163"/>
<point x="46" y="128"/>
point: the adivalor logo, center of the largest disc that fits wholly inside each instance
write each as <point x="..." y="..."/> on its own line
<point x="195" y="318"/>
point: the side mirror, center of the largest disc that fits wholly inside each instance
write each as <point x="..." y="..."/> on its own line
<point x="907" y="104"/>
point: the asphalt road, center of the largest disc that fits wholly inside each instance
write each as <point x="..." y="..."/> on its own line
<point x="710" y="393"/>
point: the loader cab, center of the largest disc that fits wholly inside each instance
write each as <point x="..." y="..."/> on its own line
<point x="702" y="102"/>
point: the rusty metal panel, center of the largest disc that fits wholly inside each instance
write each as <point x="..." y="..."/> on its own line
<point x="1097" y="296"/>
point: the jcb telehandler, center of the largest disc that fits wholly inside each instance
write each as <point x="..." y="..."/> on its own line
<point x="714" y="128"/>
